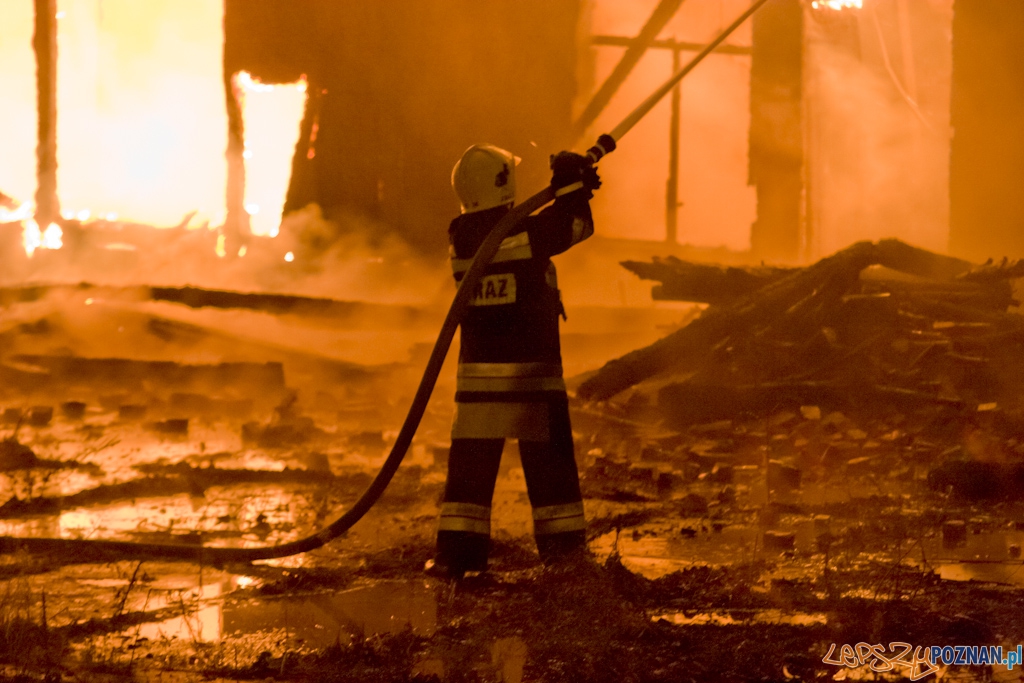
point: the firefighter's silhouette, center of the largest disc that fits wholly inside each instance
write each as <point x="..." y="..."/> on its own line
<point x="509" y="381"/>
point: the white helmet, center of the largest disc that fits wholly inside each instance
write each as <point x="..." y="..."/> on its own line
<point x="485" y="177"/>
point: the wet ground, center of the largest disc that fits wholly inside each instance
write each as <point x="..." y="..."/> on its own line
<point x="736" y="550"/>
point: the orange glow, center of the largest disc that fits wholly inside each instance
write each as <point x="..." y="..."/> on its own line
<point x="718" y="206"/>
<point x="272" y="115"/>
<point x="311" y="152"/>
<point x="142" y="125"/>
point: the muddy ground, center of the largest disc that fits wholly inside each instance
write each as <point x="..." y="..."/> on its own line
<point x="734" y="550"/>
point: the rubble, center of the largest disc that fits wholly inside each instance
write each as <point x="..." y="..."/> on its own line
<point x="16" y="456"/>
<point x="874" y="327"/>
<point x="720" y="507"/>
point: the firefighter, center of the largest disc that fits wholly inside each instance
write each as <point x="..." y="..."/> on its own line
<point x="509" y="382"/>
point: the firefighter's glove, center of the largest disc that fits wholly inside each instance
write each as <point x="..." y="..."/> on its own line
<point x="591" y="181"/>
<point x="568" y="168"/>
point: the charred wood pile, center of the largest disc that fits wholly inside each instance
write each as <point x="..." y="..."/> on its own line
<point x="880" y="358"/>
<point x="874" y="327"/>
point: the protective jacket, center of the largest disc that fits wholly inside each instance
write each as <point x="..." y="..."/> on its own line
<point x="510" y="358"/>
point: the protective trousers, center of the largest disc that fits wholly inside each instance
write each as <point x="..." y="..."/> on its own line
<point x="552" y="483"/>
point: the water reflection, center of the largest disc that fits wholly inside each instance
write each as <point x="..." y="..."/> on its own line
<point x="315" y="620"/>
<point x="745" y="616"/>
<point x="995" y="572"/>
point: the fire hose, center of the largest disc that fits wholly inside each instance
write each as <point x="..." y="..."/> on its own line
<point x="86" y="548"/>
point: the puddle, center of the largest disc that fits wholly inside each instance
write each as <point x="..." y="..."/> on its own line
<point x="989" y="545"/>
<point x="654" y="556"/>
<point x="239" y="514"/>
<point x="742" y="617"/>
<point x="995" y="572"/>
<point x="315" y="620"/>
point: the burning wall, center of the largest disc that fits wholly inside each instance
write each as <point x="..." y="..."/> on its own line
<point x="396" y="92"/>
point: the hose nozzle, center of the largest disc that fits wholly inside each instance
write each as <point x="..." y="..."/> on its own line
<point x="605" y="145"/>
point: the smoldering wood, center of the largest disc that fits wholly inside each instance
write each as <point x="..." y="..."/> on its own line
<point x="990" y="271"/>
<point x="992" y="294"/>
<point x="133" y="375"/>
<point x="199" y="297"/>
<point x="701" y="282"/>
<point x="686" y="403"/>
<point x="167" y="481"/>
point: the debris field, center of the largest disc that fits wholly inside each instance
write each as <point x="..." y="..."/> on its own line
<point x="824" y="455"/>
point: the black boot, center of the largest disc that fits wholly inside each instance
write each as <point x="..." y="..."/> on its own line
<point x="459" y="552"/>
<point x="556" y="547"/>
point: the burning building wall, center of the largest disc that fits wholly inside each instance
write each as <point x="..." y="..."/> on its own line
<point x="381" y="98"/>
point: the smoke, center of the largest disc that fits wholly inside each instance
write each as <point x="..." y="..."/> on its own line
<point x="347" y="258"/>
<point x="403" y="296"/>
<point x="877" y="118"/>
<point x="717" y="206"/>
<point x="356" y="258"/>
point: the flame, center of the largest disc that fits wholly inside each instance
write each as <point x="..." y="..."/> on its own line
<point x="273" y="117"/>
<point x="142" y="124"/>
<point x="32" y="238"/>
<point x="838" y="4"/>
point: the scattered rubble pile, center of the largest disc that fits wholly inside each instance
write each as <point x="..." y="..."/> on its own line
<point x="874" y="327"/>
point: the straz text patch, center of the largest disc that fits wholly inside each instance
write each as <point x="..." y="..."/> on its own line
<point x="495" y="289"/>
